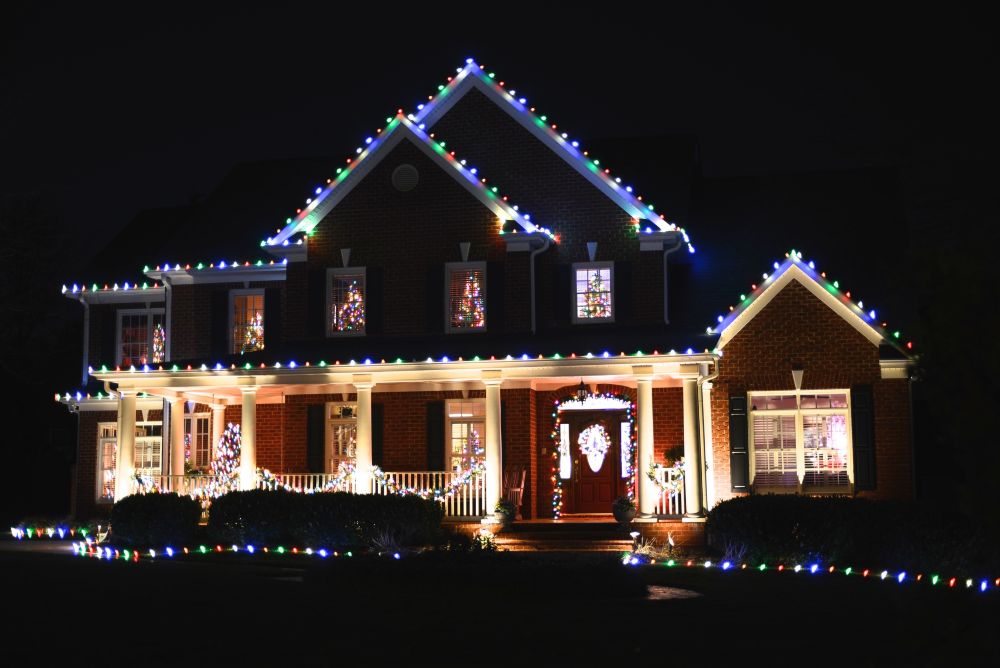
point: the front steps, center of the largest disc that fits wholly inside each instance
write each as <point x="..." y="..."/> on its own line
<point x="565" y="536"/>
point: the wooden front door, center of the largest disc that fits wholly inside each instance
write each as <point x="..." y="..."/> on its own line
<point x="596" y="453"/>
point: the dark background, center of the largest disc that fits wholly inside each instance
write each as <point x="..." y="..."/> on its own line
<point x="863" y="136"/>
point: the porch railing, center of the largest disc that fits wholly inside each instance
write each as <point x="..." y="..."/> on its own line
<point x="315" y="482"/>
<point x="467" y="500"/>
<point x="670" y="502"/>
<point x="190" y="484"/>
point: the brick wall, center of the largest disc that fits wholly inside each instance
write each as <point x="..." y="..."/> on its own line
<point x="84" y="503"/>
<point x="797" y="329"/>
<point x="192" y="319"/>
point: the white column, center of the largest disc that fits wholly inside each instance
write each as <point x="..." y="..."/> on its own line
<point x="248" y="439"/>
<point x="363" y="440"/>
<point x="692" y="461"/>
<point x="218" y="426"/>
<point x="494" y="470"/>
<point x="644" y="417"/>
<point x="125" y="458"/>
<point x="176" y="437"/>
<point x="708" y="451"/>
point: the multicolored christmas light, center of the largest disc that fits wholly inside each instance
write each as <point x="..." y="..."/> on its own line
<point x="159" y="344"/>
<point x="597" y="298"/>
<point x="226" y="463"/>
<point x="253" y="335"/>
<point x="469" y="311"/>
<point x="349" y="315"/>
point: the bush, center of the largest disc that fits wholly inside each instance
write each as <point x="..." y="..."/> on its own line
<point x="832" y="530"/>
<point x="331" y="520"/>
<point x="155" y="520"/>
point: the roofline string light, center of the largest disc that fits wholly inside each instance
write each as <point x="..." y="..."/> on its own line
<point x="794" y="258"/>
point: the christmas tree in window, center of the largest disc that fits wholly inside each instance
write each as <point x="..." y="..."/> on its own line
<point x="470" y="309"/>
<point x="349" y="313"/>
<point x="253" y="335"/>
<point x="597" y="298"/>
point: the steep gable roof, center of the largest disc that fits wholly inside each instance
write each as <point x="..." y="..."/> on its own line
<point x="473" y="76"/>
<point x="400" y="127"/>
<point x="828" y="292"/>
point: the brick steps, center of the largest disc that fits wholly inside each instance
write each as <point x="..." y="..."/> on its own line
<point x="592" y="536"/>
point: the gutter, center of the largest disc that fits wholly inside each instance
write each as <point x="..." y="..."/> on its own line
<point x="546" y="244"/>
<point x="666" y="303"/>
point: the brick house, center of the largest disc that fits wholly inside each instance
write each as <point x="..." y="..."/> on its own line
<point x="414" y="325"/>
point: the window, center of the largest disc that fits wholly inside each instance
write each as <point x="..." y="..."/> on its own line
<point x="148" y="447"/>
<point x="197" y="441"/>
<point x="466" y="428"/>
<point x="593" y="292"/>
<point x="342" y="435"/>
<point x="107" y="447"/>
<point x="142" y="338"/>
<point x="346" y="301"/>
<point x="801" y="441"/>
<point x="247" y="321"/>
<point x="465" y="296"/>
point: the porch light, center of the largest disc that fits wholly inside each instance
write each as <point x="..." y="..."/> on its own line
<point x="582" y="392"/>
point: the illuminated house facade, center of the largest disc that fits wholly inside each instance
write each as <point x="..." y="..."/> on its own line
<point x="472" y="300"/>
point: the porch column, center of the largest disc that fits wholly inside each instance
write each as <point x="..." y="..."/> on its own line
<point x="644" y="417"/>
<point x="248" y="439"/>
<point x="494" y="472"/>
<point x="363" y="440"/>
<point x="693" y="471"/>
<point x="218" y="426"/>
<point x="176" y="437"/>
<point x="125" y="457"/>
<point x="708" y="451"/>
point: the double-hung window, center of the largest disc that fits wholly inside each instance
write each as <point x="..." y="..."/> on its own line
<point x="342" y="434"/>
<point x="197" y="441"/>
<point x="107" y="449"/>
<point x="148" y="448"/>
<point x="801" y="441"/>
<point x="466" y="427"/>
<point x="346" y="301"/>
<point x="246" y="321"/>
<point x="465" y="297"/>
<point x="593" y="292"/>
<point x="141" y="337"/>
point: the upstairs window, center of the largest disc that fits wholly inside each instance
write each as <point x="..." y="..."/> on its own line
<point x="142" y="337"/>
<point x="465" y="298"/>
<point x="346" y="301"/>
<point x="593" y="292"/>
<point x="247" y="321"/>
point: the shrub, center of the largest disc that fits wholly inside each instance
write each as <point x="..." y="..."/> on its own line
<point x="331" y="520"/>
<point x="801" y="529"/>
<point x="154" y="520"/>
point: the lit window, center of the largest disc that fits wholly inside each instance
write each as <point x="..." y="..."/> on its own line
<point x="148" y="448"/>
<point x="466" y="296"/>
<point x="197" y="442"/>
<point x="107" y="448"/>
<point x="593" y="294"/>
<point x="247" y="329"/>
<point x="346" y="302"/>
<point x="142" y="338"/>
<point x="466" y="441"/>
<point x="342" y="435"/>
<point x="801" y="441"/>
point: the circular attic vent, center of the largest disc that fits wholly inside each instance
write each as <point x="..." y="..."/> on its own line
<point x="405" y="177"/>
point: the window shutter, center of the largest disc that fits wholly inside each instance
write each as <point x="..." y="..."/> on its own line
<point x="316" y="320"/>
<point x="220" y="324"/>
<point x="563" y="289"/>
<point x="109" y="333"/>
<point x="272" y="320"/>
<point x="434" y="294"/>
<point x="374" y="307"/>
<point x="739" y="455"/>
<point x="435" y="436"/>
<point x="863" y="436"/>
<point x="622" y="278"/>
<point x="378" y="433"/>
<point x="315" y="437"/>
<point x="494" y="296"/>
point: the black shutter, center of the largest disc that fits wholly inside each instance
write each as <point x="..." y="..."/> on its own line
<point x="374" y="306"/>
<point x="435" y="436"/>
<point x="109" y="337"/>
<point x="434" y="294"/>
<point x="316" y="304"/>
<point x="220" y="324"/>
<point x="739" y="453"/>
<point x="378" y="433"/>
<point x="863" y="435"/>
<point x="495" y="297"/>
<point x="316" y="437"/>
<point x="273" y="340"/>
<point x="562" y="309"/>
<point x="623" y="292"/>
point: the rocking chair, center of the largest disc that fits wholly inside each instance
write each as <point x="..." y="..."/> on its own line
<point x="513" y="488"/>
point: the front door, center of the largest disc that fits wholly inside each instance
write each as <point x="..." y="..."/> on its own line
<point x="595" y="447"/>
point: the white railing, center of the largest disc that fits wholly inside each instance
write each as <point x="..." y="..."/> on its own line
<point x="468" y="499"/>
<point x="190" y="484"/>
<point x="670" y="502"/>
<point x="313" y="482"/>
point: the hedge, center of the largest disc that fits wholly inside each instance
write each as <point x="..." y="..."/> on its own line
<point x="330" y="520"/>
<point x="153" y="520"/>
<point x="832" y="530"/>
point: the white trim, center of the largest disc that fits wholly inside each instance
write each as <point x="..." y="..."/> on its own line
<point x="794" y="272"/>
<point x="449" y="269"/>
<point x="894" y="369"/>
<point x="131" y="295"/>
<point x="579" y="266"/>
<point x="248" y="292"/>
<point x="345" y="271"/>
<point x="592" y="403"/>
<point x="149" y="313"/>
<point x="223" y="273"/>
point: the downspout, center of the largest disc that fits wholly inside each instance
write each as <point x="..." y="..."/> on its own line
<point x="702" y="379"/>
<point x="546" y="243"/>
<point x="666" y="304"/>
<point x="86" y="340"/>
